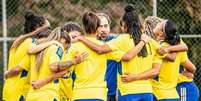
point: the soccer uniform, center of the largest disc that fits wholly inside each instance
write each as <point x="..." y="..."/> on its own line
<point x="140" y="89"/>
<point x="66" y="83"/>
<point x="187" y="89"/>
<point x="19" y="83"/>
<point x="89" y="76"/>
<point x="50" y="91"/>
<point x="164" y="85"/>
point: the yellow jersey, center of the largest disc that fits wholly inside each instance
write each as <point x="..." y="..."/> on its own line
<point x="89" y="75"/>
<point x="164" y="85"/>
<point x="19" y="83"/>
<point x="50" y="91"/>
<point x="138" y="64"/>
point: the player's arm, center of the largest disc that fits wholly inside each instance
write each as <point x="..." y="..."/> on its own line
<point x="76" y="60"/>
<point x="173" y="48"/>
<point x="20" y="38"/>
<point x="24" y="64"/>
<point x="37" y="48"/>
<point x="170" y="57"/>
<point x="129" y="77"/>
<point x="39" y="83"/>
<point x="135" y="50"/>
<point x="189" y="66"/>
<point x="59" y="66"/>
<point x="13" y="72"/>
<point x="100" y="49"/>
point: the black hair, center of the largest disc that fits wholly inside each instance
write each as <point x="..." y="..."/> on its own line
<point x="170" y="31"/>
<point x="134" y="27"/>
<point x="33" y="21"/>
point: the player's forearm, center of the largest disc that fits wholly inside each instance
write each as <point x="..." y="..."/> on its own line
<point x="149" y="73"/>
<point x="178" y="48"/>
<point x="60" y="74"/>
<point x="170" y="57"/>
<point x="133" y="52"/>
<point x="100" y="49"/>
<point x="13" y="72"/>
<point x="38" y="48"/>
<point x="66" y="64"/>
<point x="189" y="66"/>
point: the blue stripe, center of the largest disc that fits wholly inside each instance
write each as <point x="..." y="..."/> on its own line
<point x="21" y="98"/>
<point x="181" y="69"/>
<point x="119" y="68"/>
<point x="73" y="77"/>
<point x="59" y="53"/>
<point x="56" y="81"/>
<point x="24" y="73"/>
<point x="156" y="78"/>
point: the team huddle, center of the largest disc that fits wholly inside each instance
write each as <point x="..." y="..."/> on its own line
<point x="146" y="62"/>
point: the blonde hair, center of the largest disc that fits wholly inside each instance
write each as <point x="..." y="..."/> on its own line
<point x="150" y="23"/>
<point x="56" y="35"/>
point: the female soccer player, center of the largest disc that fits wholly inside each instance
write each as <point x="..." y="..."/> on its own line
<point x="186" y="88"/>
<point x="164" y="84"/>
<point x="45" y="64"/>
<point x="17" y="79"/>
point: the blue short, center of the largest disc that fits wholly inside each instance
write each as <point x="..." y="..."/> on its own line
<point x="88" y="100"/>
<point x="188" y="91"/>
<point x="155" y="99"/>
<point x="136" y="97"/>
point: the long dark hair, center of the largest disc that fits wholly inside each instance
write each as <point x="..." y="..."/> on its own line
<point x="134" y="26"/>
<point x="32" y="22"/>
<point x="170" y="31"/>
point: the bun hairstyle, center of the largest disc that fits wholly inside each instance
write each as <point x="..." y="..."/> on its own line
<point x="134" y="27"/>
<point x="129" y="8"/>
<point x="33" y="21"/>
<point x="170" y="31"/>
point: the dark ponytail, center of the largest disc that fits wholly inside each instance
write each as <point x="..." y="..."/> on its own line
<point x="170" y="31"/>
<point x="134" y="26"/>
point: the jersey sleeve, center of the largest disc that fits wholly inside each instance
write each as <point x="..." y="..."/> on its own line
<point x="115" y="55"/>
<point x="114" y="44"/>
<point x="184" y="57"/>
<point x="55" y="54"/>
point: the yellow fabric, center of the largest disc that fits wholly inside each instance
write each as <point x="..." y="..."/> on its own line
<point x="164" y="86"/>
<point x="183" y="78"/>
<point x="89" y="82"/>
<point x="137" y="65"/>
<point x="52" y="54"/>
<point x="17" y="84"/>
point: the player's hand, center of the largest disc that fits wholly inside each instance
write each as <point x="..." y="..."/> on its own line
<point x="162" y="50"/>
<point x="79" y="58"/>
<point x="37" y="84"/>
<point x="6" y="74"/>
<point x="188" y="74"/>
<point x="128" y="77"/>
<point x="145" y="38"/>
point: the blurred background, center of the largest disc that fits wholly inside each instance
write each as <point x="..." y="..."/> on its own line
<point x="186" y="14"/>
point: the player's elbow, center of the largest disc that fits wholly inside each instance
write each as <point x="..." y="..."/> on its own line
<point x="54" y="67"/>
<point x="31" y="51"/>
<point x="126" y="57"/>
